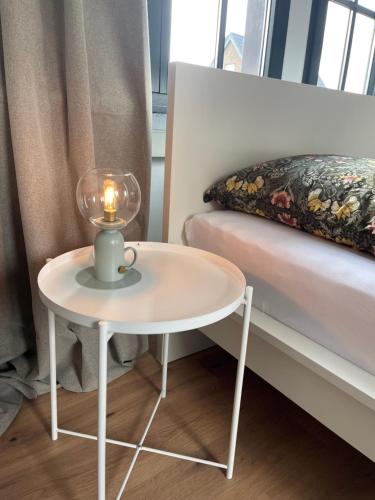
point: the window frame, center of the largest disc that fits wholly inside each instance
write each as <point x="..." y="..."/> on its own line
<point x="276" y="38"/>
<point x="159" y="14"/>
<point x="159" y="20"/>
<point x="276" y="34"/>
<point x="315" y="41"/>
<point x="159" y="26"/>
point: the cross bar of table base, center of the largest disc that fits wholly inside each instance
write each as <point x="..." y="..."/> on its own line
<point x="184" y="457"/>
<point x="95" y="438"/>
<point x="144" y="448"/>
<point x="139" y="447"/>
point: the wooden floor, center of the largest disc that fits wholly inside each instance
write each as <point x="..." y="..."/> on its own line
<point x="282" y="453"/>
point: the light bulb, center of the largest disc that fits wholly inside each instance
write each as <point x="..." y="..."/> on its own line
<point x="110" y="188"/>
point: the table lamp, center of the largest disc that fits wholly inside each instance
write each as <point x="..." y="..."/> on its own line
<point x="109" y="199"/>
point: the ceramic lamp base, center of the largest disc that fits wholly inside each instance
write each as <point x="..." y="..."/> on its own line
<point x="109" y="255"/>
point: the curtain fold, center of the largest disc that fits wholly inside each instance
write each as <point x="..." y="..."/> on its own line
<point x="75" y="94"/>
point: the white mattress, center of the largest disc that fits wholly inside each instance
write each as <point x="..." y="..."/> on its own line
<point x="321" y="289"/>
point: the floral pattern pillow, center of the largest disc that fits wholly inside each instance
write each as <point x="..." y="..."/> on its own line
<point x="327" y="195"/>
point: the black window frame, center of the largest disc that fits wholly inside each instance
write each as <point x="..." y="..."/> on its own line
<point x="159" y="25"/>
<point x="159" y="14"/>
<point x="315" y="41"/>
<point x="159" y="20"/>
<point x="276" y="38"/>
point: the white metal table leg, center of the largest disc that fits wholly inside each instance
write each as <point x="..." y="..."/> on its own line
<point x="239" y="381"/>
<point x="104" y="336"/>
<point x="52" y="371"/>
<point x="165" y="364"/>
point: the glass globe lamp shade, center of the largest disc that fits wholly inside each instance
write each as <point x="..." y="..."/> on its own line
<point x="108" y="198"/>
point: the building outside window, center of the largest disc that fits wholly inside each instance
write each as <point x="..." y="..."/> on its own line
<point x="233" y="51"/>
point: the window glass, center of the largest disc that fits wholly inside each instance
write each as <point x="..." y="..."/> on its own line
<point x="193" y="31"/>
<point x="235" y="34"/>
<point x="334" y="46"/>
<point x="369" y="4"/>
<point x="360" y="55"/>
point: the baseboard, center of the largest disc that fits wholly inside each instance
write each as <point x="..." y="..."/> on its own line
<point x="180" y="344"/>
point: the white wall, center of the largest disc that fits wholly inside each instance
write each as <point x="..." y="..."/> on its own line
<point x="155" y="227"/>
<point x="155" y="224"/>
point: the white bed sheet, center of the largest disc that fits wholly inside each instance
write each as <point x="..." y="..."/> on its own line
<point x="321" y="289"/>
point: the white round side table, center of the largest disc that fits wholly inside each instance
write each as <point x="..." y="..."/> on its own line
<point x="173" y="288"/>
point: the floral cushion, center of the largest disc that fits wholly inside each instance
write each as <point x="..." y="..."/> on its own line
<point x="326" y="195"/>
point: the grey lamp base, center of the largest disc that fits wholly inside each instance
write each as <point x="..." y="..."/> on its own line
<point x="109" y="255"/>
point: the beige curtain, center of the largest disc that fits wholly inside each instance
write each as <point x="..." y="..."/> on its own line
<point x="75" y="93"/>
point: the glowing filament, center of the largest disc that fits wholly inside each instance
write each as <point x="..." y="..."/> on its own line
<point x="110" y="189"/>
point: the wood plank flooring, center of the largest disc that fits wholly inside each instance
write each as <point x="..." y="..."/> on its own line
<point x="282" y="453"/>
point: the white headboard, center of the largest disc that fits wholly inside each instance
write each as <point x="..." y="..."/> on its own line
<point x="219" y="121"/>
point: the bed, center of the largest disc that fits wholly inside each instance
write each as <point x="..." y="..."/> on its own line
<point x="312" y="321"/>
<point x="306" y="283"/>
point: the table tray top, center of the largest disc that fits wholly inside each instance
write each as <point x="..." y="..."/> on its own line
<point x="181" y="288"/>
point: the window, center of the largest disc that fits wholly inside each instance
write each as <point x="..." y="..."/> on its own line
<point x="217" y="38"/>
<point x="194" y="31"/>
<point x="361" y="55"/>
<point x="159" y="12"/>
<point x="212" y="33"/>
<point x="334" y="46"/>
<point x="250" y="36"/>
<point x="340" y="53"/>
<point x="369" y="4"/>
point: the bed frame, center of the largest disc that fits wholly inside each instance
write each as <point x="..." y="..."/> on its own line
<point x="219" y="121"/>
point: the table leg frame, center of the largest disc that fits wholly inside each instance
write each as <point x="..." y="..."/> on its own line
<point x="239" y="380"/>
<point x="104" y="335"/>
<point x="165" y="364"/>
<point x="52" y="371"/>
